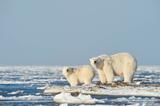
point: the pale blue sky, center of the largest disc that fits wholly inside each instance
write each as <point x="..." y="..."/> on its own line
<point x="69" y="32"/>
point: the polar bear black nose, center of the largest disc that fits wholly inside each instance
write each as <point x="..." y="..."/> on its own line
<point x="67" y="70"/>
<point x="95" y="62"/>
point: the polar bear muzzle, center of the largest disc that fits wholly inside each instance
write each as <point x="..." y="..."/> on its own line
<point x="69" y="70"/>
<point x="94" y="61"/>
<point x="99" y="63"/>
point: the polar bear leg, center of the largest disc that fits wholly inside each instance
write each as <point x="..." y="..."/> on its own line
<point x="73" y="81"/>
<point x="87" y="82"/>
<point x="109" y="73"/>
<point x="128" y="71"/>
<point x="128" y="76"/>
<point x="102" y="76"/>
<point x="103" y="79"/>
<point x="110" y="78"/>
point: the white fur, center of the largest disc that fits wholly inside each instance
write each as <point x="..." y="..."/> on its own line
<point x="120" y="64"/>
<point x="82" y="74"/>
<point x="101" y="73"/>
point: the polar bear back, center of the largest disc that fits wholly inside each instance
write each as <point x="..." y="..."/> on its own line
<point x="123" y="60"/>
<point x="85" y="74"/>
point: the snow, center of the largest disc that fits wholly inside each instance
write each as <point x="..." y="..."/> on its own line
<point x="43" y="87"/>
<point x="65" y="104"/>
<point x="27" y="83"/>
<point x="81" y="98"/>
<point x="118" y="79"/>
<point x="16" y="92"/>
<point x="153" y="68"/>
<point x="26" y="97"/>
<point x="152" y="91"/>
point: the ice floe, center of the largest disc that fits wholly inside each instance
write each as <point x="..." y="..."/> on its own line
<point x="80" y="99"/>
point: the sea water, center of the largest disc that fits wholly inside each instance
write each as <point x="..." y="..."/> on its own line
<point x="24" y="86"/>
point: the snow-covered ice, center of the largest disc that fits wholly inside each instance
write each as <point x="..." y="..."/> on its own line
<point x="80" y="99"/>
<point x="24" y="85"/>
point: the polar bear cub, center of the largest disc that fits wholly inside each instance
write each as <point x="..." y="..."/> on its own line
<point x="120" y="64"/>
<point x="82" y="74"/>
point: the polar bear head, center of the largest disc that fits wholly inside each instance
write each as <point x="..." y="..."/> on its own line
<point x="98" y="62"/>
<point x="67" y="71"/>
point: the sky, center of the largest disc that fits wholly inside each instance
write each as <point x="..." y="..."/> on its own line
<point x="69" y="32"/>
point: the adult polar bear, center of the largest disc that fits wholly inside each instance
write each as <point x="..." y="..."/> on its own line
<point x="120" y="64"/>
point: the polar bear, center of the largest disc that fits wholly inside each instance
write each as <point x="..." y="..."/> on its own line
<point x="120" y="64"/>
<point x="82" y="74"/>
